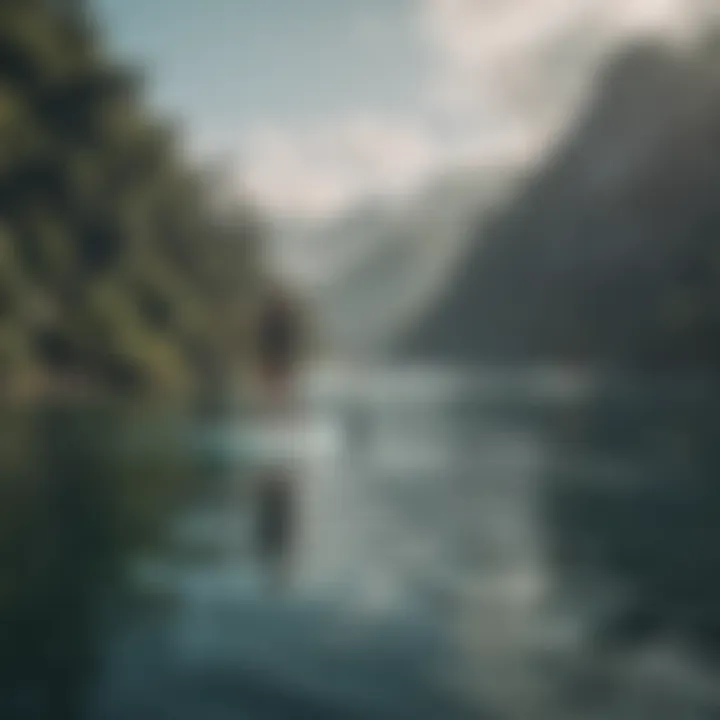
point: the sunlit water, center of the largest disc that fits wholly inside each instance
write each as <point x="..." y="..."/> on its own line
<point x="418" y="584"/>
<point x="417" y="552"/>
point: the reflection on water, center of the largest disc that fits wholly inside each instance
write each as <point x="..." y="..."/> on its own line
<point x="75" y="502"/>
<point x="457" y="547"/>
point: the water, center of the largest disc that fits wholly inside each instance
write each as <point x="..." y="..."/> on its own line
<point x="456" y="542"/>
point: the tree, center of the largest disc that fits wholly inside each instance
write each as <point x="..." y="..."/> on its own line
<point x="121" y="270"/>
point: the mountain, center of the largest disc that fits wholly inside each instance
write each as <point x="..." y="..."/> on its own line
<point x="385" y="263"/>
<point x="608" y="254"/>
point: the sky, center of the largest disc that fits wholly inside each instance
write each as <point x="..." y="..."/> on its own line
<point x="316" y="106"/>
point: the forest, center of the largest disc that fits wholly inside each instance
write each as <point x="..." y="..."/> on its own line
<point x="120" y="273"/>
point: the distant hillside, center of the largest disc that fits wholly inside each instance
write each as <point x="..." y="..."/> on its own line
<point x="116" y="271"/>
<point x="387" y="263"/>
<point x="609" y="254"/>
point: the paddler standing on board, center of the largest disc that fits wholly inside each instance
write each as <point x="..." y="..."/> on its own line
<point x="279" y="351"/>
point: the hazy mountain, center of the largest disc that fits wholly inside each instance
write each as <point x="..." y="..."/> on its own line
<point x="609" y="253"/>
<point x="385" y="263"/>
<point x="314" y="252"/>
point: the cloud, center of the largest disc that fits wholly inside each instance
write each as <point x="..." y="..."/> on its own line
<point x="533" y="60"/>
<point x="497" y="37"/>
<point x="324" y="169"/>
<point x="505" y="77"/>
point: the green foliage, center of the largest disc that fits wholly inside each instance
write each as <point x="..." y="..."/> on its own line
<point x="116" y="271"/>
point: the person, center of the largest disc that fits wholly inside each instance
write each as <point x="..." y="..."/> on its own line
<point x="278" y="348"/>
<point x="279" y="339"/>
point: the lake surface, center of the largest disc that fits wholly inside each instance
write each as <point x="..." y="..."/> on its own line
<point x="422" y="579"/>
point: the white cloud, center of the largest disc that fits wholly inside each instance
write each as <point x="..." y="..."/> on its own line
<point x="323" y="170"/>
<point x="497" y="37"/>
<point x="532" y="60"/>
<point x="507" y="75"/>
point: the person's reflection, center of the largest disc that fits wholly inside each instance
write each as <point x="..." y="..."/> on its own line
<point x="275" y="524"/>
